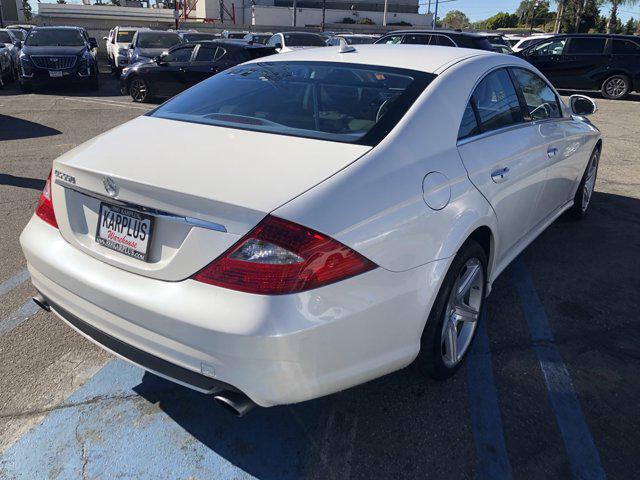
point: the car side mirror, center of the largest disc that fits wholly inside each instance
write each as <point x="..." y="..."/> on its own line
<point x="93" y="42"/>
<point x="582" y="105"/>
<point x="278" y="46"/>
<point x="105" y="38"/>
<point x="161" y="59"/>
<point x="130" y="47"/>
<point x="18" y="44"/>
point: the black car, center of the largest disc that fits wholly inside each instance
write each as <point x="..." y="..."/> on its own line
<point x="609" y="63"/>
<point x="54" y="55"/>
<point x="445" y="38"/>
<point x="185" y="65"/>
<point x="261" y="38"/>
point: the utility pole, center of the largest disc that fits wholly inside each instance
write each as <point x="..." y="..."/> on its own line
<point x="176" y="12"/>
<point x="1" y="16"/>
<point x="295" y="12"/>
<point x="435" y="16"/>
<point x="324" y="6"/>
<point x="384" y="15"/>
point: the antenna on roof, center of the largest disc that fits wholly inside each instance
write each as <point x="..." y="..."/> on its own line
<point x="345" y="47"/>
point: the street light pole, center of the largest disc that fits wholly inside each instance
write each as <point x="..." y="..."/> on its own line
<point x="384" y="15"/>
<point x="435" y="16"/>
<point x="295" y="12"/>
<point x="324" y="7"/>
<point x="176" y="13"/>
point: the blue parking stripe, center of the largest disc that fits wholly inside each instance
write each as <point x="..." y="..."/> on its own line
<point x="126" y="424"/>
<point x="17" y="317"/>
<point x="486" y="420"/>
<point x="14" y="281"/>
<point x="581" y="450"/>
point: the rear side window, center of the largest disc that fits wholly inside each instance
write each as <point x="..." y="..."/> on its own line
<point x="393" y="39"/>
<point x="417" y="39"/>
<point x="469" y="125"/>
<point x="497" y="101"/>
<point x="541" y="102"/>
<point x="625" y="47"/>
<point x="206" y="54"/>
<point x="586" y="46"/>
<point x="442" y="41"/>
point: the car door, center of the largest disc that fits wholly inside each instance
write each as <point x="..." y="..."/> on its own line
<point x="625" y="55"/>
<point x="502" y="155"/>
<point x="170" y="76"/>
<point x="203" y="65"/>
<point x="543" y="110"/>
<point x="582" y="62"/>
<point x="547" y="57"/>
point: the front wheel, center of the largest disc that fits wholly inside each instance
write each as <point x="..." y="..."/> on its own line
<point x="139" y="90"/>
<point x="453" y="320"/>
<point x="582" y="199"/>
<point x="616" y="87"/>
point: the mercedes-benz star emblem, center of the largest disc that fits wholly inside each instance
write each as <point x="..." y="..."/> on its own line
<point x="110" y="186"/>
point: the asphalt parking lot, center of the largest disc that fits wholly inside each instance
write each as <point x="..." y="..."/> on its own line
<point x="550" y="389"/>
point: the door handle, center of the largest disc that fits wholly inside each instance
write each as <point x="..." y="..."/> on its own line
<point x="500" y="175"/>
<point x="551" y="152"/>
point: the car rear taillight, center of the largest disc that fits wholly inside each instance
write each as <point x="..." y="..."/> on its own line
<point x="45" y="205"/>
<point x="279" y="257"/>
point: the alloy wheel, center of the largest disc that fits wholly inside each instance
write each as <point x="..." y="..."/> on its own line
<point x="616" y="87"/>
<point x="138" y="89"/>
<point x="462" y="312"/>
<point x="589" y="182"/>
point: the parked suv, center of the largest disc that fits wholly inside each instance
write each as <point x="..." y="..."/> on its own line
<point x="58" y="54"/>
<point x="185" y="65"/>
<point x="609" y="63"/>
<point x="117" y="44"/>
<point x="445" y="38"/>
<point x="147" y="45"/>
<point x="13" y="44"/>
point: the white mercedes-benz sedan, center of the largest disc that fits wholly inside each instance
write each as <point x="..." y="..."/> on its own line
<point x="307" y="222"/>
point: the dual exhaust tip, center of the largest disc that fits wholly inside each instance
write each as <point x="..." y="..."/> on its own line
<point x="238" y="404"/>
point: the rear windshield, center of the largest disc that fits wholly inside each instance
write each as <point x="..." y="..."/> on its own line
<point x="125" y="36"/>
<point x="55" y="38"/>
<point x="358" y="40"/>
<point x="157" y="40"/>
<point x="5" y="38"/>
<point x="303" y="40"/>
<point x="323" y="100"/>
<point x="193" y="37"/>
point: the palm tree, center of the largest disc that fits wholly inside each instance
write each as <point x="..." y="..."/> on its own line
<point x="613" y="17"/>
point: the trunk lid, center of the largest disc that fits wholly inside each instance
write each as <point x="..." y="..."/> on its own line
<point x="211" y="176"/>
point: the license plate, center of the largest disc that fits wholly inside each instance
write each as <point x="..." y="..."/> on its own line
<point x="55" y="73"/>
<point x="125" y="231"/>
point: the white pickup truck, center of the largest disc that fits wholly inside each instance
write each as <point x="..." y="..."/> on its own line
<point x="117" y="44"/>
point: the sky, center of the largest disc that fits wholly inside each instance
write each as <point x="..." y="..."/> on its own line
<point x="481" y="9"/>
<point x="476" y="9"/>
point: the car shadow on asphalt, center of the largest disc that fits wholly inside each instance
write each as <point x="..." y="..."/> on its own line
<point x="22" y="182"/>
<point x="14" y="128"/>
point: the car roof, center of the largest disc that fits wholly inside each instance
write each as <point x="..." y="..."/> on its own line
<point x="425" y="58"/>
<point x="59" y="27"/>
<point x="303" y="33"/>
<point x="426" y="30"/>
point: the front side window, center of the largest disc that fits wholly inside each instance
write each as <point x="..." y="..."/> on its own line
<point x="391" y="39"/>
<point x="553" y="47"/>
<point x="157" y="40"/>
<point x="541" y="102"/>
<point x="323" y="100"/>
<point x="55" y="38"/>
<point x="586" y="46"/>
<point x="417" y="39"/>
<point x="625" y="47"/>
<point x="497" y="101"/>
<point x="179" y="55"/>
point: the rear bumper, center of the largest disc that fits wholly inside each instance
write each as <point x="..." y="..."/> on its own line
<point x="275" y="349"/>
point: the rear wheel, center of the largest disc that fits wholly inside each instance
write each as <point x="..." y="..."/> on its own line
<point x="454" y="317"/>
<point x="616" y="87"/>
<point x="139" y="90"/>
<point x="582" y="199"/>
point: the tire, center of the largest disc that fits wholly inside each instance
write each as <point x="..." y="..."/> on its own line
<point x="436" y="358"/>
<point x="582" y="199"/>
<point x="139" y="90"/>
<point x="616" y="87"/>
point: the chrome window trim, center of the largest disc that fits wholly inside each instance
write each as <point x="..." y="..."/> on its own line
<point x="508" y="128"/>
<point x="192" y="221"/>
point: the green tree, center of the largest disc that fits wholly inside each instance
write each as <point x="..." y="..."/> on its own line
<point x="26" y="9"/>
<point x="613" y="15"/>
<point x="581" y="16"/>
<point x="456" y="19"/>
<point x="501" y="20"/>
<point x="630" y="27"/>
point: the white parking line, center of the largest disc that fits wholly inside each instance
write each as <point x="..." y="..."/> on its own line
<point x="108" y="103"/>
<point x="14" y="281"/>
